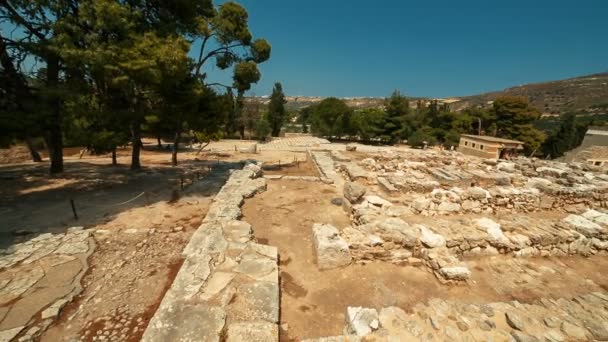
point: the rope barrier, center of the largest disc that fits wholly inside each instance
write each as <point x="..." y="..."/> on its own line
<point x="113" y="205"/>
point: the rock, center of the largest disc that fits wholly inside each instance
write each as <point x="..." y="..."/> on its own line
<point x="429" y="238"/>
<point x="351" y="148"/>
<point x="574" y="331"/>
<point x="546" y="202"/>
<point x="377" y="201"/>
<point x="469" y="205"/>
<point x="554" y="336"/>
<point x="397" y="210"/>
<point x="392" y="319"/>
<point x="331" y="250"/>
<point x="598" y="329"/>
<point x="596" y="216"/>
<point x="386" y="184"/>
<point x="353" y="191"/>
<point x="521" y="337"/>
<point x="337" y="201"/>
<point x="455" y="273"/>
<point x="258" y="301"/>
<point x="252" y="331"/>
<point x="53" y="310"/>
<point x="551" y="172"/>
<point x="506" y="167"/>
<point x="551" y="322"/>
<point x="583" y="225"/>
<point x="493" y="229"/>
<point x="514" y="320"/>
<point x="256" y="169"/>
<point x="187" y="322"/>
<point x="478" y="193"/>
<point x="449" y="207"/>
<point x="421" y="204"/>
<point x="361" y="321"/>
<point x="8" y="335"/>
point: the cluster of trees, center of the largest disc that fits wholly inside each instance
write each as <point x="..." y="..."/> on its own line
<point x="510" y="117"/>
<point x="569" y="135"/>
<point x="101" y="73"/>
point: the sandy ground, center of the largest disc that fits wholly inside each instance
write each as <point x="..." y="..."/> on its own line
<point x="314" y="302"/>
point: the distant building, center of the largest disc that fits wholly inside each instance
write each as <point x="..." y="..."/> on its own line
<point x="594" y="148"/>
<point x="488" y="147"/>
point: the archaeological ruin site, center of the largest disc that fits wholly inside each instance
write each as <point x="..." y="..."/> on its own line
<point x="300" y="239"/>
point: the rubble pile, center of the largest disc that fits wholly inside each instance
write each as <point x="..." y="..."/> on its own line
<point x="447" y="182"/>
<point x="581" y="318"/>
<point x="382" y="231"/>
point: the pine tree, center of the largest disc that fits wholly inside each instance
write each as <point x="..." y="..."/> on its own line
<point x="276" y="110"/>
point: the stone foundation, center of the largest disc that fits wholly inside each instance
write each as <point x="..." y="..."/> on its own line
<point x="228" y="286"/>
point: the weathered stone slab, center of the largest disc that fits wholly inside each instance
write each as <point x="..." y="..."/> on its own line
<point x="186" y="322"/>
<point x="362" y="321"/>
<point x="353" y="191"/>
<point x="252" y="331"/>
<point x="331" y="250"/>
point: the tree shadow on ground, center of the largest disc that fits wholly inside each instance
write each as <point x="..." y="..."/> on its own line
<point x="32" y="202"/>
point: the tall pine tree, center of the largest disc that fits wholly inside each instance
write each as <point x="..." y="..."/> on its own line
<point x="276" y="110"/>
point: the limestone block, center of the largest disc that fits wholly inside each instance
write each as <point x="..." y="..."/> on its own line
<point x="331" y="250"/>
<point x="386" y="184"/>
<point x="362" y="321"/>
<point x="455" y="272"/>
<point x="252" y="331"/>
<point x="429" y="238"/>
<point x="583" y="225"/>
<point x="353" y="191"/>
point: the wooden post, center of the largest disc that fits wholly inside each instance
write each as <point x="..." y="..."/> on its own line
<point x="74" y="209"/>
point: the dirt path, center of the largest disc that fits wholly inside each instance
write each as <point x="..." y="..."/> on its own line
<point x="314" y="302"/>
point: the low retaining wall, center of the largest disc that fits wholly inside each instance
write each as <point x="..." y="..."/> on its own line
<point x="227" y="289"/>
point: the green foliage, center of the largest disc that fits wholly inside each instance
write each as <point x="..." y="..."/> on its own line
<point x="113" y="67"/>
<point x="569" y="135"/>
<point x="368" y="124"/>
<point x="514" y="118"/>
<point x="422" y="136"/>
<point x="331" y="118"/>
<point x="262" y="129"/>
<point x="276" y="110"/>
<point x="398" y="123"/>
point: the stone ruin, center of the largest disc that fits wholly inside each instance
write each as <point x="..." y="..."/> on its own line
<point x="227" y="289"/>
<point x="388" y="194"/>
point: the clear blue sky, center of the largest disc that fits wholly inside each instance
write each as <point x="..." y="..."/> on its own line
<point x="425" y="48"/>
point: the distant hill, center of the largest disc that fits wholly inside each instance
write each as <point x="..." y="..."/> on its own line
<point x="295" y="103"/>
<point x="582" y="95"/>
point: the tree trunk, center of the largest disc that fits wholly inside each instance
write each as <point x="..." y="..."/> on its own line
<point x="158" y="143"/>
<point x="33" y="152"/>
<point x="55" y="139"/>
<point x="176" y="139"/>
<point x="136" y="142"/>
<point x="114" y="162"/>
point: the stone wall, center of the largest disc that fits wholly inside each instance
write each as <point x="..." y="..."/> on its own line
<point x="227" y="288"/>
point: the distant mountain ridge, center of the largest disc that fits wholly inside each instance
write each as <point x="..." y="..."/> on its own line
<point x="582" y="95"/>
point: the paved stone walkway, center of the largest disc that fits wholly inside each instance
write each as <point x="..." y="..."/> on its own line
<point x="228" y="286"/>
<point x="39" y="274"/>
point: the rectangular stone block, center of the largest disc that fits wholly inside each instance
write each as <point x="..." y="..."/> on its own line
<point x="331" y="250"/>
